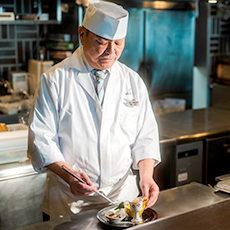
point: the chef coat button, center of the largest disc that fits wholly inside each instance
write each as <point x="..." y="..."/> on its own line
<point x="97" y="110"/>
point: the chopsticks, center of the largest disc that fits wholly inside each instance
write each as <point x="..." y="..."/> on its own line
<point x="82" y="181"/>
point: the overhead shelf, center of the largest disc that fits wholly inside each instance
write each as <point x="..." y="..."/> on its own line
<point x="29" y="22"/>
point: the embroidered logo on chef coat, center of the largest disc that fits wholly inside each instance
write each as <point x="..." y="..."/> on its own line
<point x="129" y="92"/>
<point x="131" y="103"/>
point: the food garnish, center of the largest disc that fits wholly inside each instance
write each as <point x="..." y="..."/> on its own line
<point x="121" y="205"/>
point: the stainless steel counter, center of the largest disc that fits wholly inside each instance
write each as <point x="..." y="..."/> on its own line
<point x="21" y="195"/>
<point x="213" y="217"/>
<point x="191" y="125"/>
<point x="178" y="127"/>
<point x="211" y="126"/>
<point x="171" y="205"/>
<point x="16" y="170"/>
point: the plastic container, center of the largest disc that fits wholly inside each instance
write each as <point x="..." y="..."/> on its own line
<point x="14" y="144"/>
<point x="10" y="108"/>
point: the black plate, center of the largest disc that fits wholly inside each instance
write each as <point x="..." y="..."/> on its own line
<point x="148" y="215"/>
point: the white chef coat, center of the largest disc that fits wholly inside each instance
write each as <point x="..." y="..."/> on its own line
<point x="68" y="124"/>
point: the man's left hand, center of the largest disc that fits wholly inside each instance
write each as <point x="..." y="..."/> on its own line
<point x="149" y="190"/>
<point x="148" y="186"/>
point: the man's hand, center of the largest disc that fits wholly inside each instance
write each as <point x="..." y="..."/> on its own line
<point x="76" y="187"/>
<point x="148" y="186"/>
<point x="149" y="190"/>
<point x="80" y="189"/>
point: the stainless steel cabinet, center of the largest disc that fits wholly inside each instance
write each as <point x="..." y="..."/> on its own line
<point x="164" y="173"/>
<point x="220" y="96"/>
<point x="217" y="158"/>
<point x="20" y="198"/>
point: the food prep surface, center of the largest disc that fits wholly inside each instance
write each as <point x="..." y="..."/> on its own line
<point x="175" y="128"/>
<point x="209" y="217"/>
<point x="172" y="204"/>
<point x="190" y="125"/>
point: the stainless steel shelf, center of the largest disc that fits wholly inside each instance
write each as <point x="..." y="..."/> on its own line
<point x="29" y="22"/>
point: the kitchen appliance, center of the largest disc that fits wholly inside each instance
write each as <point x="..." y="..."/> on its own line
<point x="181" y="164"/>
<point x="189" y="163"/>
<point x="21" y="81"/>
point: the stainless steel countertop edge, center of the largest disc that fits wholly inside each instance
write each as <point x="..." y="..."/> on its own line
<point x="182" y="213"/>
<point x="16" y="170"/>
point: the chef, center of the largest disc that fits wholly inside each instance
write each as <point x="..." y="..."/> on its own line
<point x="92" y="115"/>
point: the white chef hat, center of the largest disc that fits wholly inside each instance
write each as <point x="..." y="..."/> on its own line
<point x="106" y="19"/>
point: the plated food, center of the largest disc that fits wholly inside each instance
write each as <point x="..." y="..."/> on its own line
<point x="136" y="207"/>
<point x="122" y="214"/>
<point x="131" y="213"/>
<point x="116" y="215"/>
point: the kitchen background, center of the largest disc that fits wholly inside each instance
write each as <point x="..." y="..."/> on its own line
<point x="177" y="47"/>
<point x="182" y="51"/>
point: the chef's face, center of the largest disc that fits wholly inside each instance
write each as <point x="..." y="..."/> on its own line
<point x="101" y="53"/>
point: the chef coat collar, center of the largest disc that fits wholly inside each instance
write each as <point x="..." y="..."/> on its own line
<point x="87" y="65"/>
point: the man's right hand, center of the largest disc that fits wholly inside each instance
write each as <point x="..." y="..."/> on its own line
<point x="80" y="189"/>
<point x="77" y="188"/>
